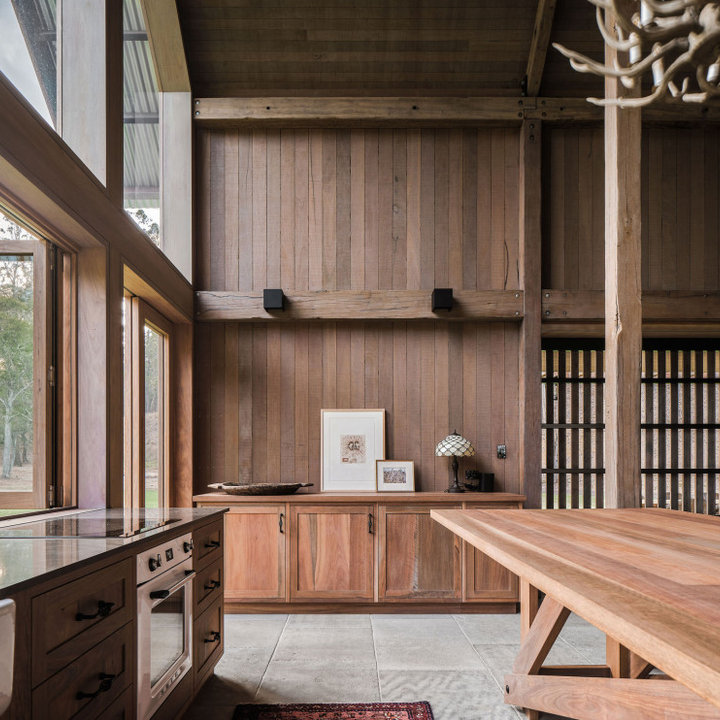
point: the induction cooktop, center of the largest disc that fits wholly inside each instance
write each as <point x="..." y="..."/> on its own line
<point x="91" y="524"/>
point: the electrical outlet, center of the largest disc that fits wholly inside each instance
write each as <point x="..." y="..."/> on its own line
<point x="502" y="451"/>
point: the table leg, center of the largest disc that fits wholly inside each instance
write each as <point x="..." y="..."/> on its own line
<point x="617" y="658"/>
<point x="529" y="604"/>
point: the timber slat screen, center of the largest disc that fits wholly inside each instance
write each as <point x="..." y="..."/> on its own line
<point x="680" y="430"/>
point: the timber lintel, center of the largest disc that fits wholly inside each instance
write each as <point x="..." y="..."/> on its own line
<point x="338" y="305"/>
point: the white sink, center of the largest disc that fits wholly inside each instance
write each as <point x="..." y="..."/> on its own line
<point x="7" y="651"/>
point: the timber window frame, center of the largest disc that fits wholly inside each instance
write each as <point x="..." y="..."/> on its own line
<point x="139" y="315"/>
<point x="54" y="385"/>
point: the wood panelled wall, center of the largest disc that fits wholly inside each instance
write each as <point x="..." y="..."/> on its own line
<point x="261" y="388"/>
<point x="680" y="209"/>
<point x="357" y="209"/>
<point x="353" y="210"/>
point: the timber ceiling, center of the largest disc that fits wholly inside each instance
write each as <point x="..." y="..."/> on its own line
<point x="239" y="48"/>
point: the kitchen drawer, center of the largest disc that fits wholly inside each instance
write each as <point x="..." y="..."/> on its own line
<point x="123" y="708"/>
<point x="74" y="617"/>
<point x="87" y="686"/>
<point x="207" y="544"/>
<point x="208" y="636"/>
<point x="208" y="585"/>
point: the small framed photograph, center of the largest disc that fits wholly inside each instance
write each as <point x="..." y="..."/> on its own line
<point x="395" y="475"/>
<point x="352" y="440"/>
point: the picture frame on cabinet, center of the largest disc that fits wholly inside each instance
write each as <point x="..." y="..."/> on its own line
<point x="351" y="443"/>
<point x="395" y="475"/>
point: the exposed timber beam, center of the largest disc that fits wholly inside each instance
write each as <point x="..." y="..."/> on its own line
<point x="359" y="305"/>
<point x="623" y="290"/>
<point x="530" y="261"/>
<point x="166" y="45"/>
<point x="416" y="112"/>
<point x="588" y="306"/>
<point x="538" y="46"/>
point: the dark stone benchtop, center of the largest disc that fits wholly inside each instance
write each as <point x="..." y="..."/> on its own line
<point x="41" y="547"/>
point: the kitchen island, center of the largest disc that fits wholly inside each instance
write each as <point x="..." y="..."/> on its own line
<point x="77" y="579"/>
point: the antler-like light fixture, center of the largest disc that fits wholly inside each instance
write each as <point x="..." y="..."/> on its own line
<point x="677" y="41"/>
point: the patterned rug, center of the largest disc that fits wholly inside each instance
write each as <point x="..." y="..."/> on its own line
<point x="344" y="711"/>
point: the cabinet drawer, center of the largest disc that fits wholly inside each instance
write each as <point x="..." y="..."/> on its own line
<point x="208" y="585"/>
<point x="123" y="708"/>
<point x="208" y="636"/>
<point x="85" y="687"/>
<point x="72" y="618"/>
<point x="207" y="544"/>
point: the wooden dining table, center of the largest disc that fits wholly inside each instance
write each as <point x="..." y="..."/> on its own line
<point x="648" y="578"/>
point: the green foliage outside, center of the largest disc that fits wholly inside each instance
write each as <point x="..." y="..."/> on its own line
<point x="16" y="352"/>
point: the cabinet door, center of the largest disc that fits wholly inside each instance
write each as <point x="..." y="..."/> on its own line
<point x="331" y="552"/>
<point x="485" y="579"/>
<point x="419" y="558"/>
<point x="255" y="553"/>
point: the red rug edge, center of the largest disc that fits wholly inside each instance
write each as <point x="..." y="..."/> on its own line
<point x="250" y="711"/>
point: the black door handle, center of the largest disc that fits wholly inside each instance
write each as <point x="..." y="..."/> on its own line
<point x="212" y="585"/>
<point x="212" y="544"/>
<point x="282" y="522"/>
<point x="214" y="637"/>
<point x="103" y="610"/>
<point x="159" y="594"/>
<point x="106" y="681"/>
<point x="370" y="523"/>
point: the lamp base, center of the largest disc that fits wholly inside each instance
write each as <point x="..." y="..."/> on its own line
<point x="455" y="489"/>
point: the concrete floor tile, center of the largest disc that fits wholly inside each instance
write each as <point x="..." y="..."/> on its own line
<point x="318" y="647"/>
<point x="425" y="644"/>
<point x="452" y="695"/>
<point x="324" y="620"/>
<point x="294" y="682"/>
<point x="490" y="629"/>
<point x="253" y="631"/>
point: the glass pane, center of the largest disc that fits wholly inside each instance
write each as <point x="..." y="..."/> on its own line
<point x="141" y="128"/>
<point x="28" y="52"/>
<point x="16" y="368"/>
<point x="153" y="415"/>
<point x="167" y="634"/>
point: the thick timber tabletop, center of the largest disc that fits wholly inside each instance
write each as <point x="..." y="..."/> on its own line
<point x="648" y="578"/>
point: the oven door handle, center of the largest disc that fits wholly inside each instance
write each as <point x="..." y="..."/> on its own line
<point x="162" y="594"/>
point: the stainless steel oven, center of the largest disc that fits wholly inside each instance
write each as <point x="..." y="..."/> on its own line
<point x="164" y="605"/>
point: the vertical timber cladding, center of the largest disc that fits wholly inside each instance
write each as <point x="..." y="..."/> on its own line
<point x="356" y="209"/>
<point x="680" y="220"/>
<point x="680" y="424"/>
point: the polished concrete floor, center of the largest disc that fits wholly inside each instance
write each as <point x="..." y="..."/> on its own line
<point x="456" y="662"/>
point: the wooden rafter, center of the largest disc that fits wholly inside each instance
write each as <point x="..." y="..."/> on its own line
<point x="539" y="46"/>
<point x="374" y="112"/>
<point x="166" y="45"/>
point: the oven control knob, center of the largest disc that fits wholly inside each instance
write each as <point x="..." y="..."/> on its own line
<point x="187" y="546"/>
<point x="154" y="563"/>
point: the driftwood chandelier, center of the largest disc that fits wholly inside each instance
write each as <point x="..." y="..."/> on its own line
<point x="676" y="41"/>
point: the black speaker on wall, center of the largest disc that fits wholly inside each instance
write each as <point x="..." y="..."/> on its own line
<point x="442" y="299"/>
<point x="273" y="299"/>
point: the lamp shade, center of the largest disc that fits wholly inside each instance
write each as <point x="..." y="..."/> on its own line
<point x="455" y="445"/>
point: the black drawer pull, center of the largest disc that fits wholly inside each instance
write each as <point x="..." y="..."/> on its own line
<point x="212" y="585"/>
<point x="106" y="681"/>
<point x="282" y="523"/>
<point x="103" y="611"/>
<point x="159" y="594"/>
<point x="212" y="544"/>
<point x="371" y="528"/>
<point x="214" y="637"/>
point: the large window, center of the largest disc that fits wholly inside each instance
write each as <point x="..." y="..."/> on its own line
<point x="141" y="125"/>
<point x="28" y="52"/>
<point x="680" y="425"/>
<point x="147" y="405"/>
<point x="36" y="372"/>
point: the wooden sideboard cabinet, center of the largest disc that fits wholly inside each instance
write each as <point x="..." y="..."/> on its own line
<point x="332" y="552"/>
<point x="370" y="551"/>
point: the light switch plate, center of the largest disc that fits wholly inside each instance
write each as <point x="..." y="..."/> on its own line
<point x="502" y="451"/>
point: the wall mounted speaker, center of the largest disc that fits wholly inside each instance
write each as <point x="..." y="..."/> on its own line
<point x="273" y="299"/>
<point x="442" y="299"/>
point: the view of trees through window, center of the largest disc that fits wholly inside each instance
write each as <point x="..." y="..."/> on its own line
<point x="16" y="363"/>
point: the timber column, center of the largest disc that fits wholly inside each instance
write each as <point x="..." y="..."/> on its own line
<point x="623" y="309"/>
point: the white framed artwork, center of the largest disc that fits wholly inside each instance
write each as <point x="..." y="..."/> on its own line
<point x="352" y="440"/>
<point x="395" y="475"/>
